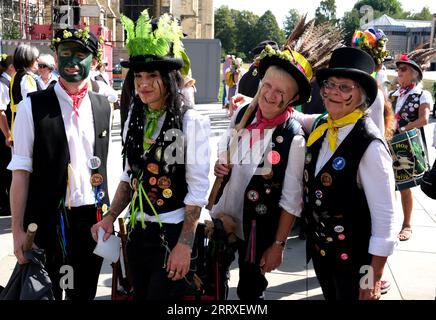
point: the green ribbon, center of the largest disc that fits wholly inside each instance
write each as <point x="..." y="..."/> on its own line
<point x="152" y="116"/>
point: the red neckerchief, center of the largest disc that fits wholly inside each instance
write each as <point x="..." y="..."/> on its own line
<point x="261" y="123"/>
<point x="405" y="90"/>
<point x="77" y="97"/>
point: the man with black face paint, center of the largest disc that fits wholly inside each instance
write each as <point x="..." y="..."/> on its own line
<point x="59" y="168"/>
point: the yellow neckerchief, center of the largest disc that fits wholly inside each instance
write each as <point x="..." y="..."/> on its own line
<point x="333" y="126"/>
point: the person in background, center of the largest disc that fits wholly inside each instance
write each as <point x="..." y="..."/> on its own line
<point x="226" y="64"/>
<point x="99" y="84"/>
<point x="233" y="74"/>
<point x="249" y="82"/>
<point x="46" y="65"/>
<point x="59" y="180"/>
<point x="7" y="70"/>
<point x="189" y="89"/>
<point x="165" y="194"/>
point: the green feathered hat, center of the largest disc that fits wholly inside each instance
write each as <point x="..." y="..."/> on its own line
<point x="154" y="44"/>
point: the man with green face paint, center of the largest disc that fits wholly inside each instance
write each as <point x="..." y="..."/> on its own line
<point x="59" y="179"/>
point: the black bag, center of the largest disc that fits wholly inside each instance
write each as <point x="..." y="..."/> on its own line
<point x="428" y="183"/>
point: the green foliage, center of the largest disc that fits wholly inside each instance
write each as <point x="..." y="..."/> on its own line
<point x="225" y="29"/>
<point x="246" y="38"/>
<point x="267" y="28"/>
<point x="326" y="11"/>
<point x="291" y="20"/>
<point x="11" y="32"/>
<point x="390" y="7"/>
<point x="425" y="14"/>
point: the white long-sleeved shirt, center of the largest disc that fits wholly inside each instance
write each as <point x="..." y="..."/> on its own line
<point x="81" y="139"/>
<point x="376" y="177"/>
<point x="196" y="129"/>
<point x="4" y="93"/>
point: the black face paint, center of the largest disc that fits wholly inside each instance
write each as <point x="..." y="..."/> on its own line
<point x="349" y="100"/>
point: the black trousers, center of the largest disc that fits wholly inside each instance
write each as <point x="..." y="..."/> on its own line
<point x="80" y="259"/>
<point x="147" y="257"/>
<point x="5" y="176"/>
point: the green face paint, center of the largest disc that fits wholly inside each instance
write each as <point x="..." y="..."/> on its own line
<point x="74" y="61"/>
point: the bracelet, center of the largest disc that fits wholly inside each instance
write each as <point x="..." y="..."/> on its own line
<point x="114" y="217"/>
<point x="280" y="243"/>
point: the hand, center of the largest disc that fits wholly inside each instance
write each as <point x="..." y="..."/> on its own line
<point x="8" y="141"/>
<point x="106" y="224"/>
<point x="272" y="258"/>
<point x="236" y="101"/>
<point x="179" y="261"/>
<point x="371" y="294"/>
<point x="221" y="169"/>
<point x="19" y="240"/>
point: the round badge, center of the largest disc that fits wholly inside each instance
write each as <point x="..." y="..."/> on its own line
<point x="94" y="163"/>
<point x="329" y="239"/>
<point x="152" y="197"/>
<point x="279" y="139"/>
<point x="100" y="195"/>
<point x="159" y="202"/>
<point x="308" y="158"/>
<point x="318" y="202"/>
<point x="322" y="252"/>
<point x="267" y="190"/>
<point x="268" y="175"/>
<point x="261" y="209"/>
<point x="338" y="229"/>
<point x="318" y="194"/>
<point x="341" y="236"/>
<point x="338" y="163"/>
<point x="104" y="208"/>
<point x="96" y="179"/>
<point x="416" y="105"/>
<point x="411" y="109"/>
<point x="253" y="195"/>
<point x="410" y="104"/>
<point x="153" y="168"/>
<point x="164" y="182"/>
<point x="167" y="193"/>
<point x="158" y="154"/>
<point x="135" y="184"/>
<point x="152" y="181"/>
<point x="273" y="157"/>
<point x="306" y="175"/>
<point x="344" y="256"/>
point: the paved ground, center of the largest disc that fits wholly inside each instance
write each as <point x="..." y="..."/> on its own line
<point x="410" y="269"/>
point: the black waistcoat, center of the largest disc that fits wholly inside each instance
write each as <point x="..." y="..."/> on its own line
<point x="16" y="87"/>
<point x="51" y="156"/>
<point x="163" y="180"/>
<point x="335" y="208"/>
<point x="409" y="111"/>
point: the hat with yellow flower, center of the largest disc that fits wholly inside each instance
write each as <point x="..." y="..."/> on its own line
<point x="293" y="63"/>
<point x="155" y="44"/>
<point x="81" y="36"/>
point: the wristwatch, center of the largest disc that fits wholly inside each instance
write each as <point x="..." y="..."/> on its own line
<point x="280" y="243"/>
<point x="402" y="129"/>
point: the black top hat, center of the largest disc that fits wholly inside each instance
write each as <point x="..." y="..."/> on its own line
<point x="261" y="45"/>
<point x="284" y="60"/>
<point x="354" y="64"/>
<point x="81" y="36"/>
<point x="404" y="59"/>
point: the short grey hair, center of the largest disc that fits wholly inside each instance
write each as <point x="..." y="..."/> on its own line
<point x="25" y="56"/>
<point x="416" y="77"/>
<point x="48" y="60"/>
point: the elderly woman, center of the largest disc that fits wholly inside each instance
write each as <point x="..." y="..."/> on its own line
<point x="165" y="184"/>
<point x="348" y="183"/>
<point x="412" y="109"/>
<point x="46" y="65"/>
<point x="264" y="188"/>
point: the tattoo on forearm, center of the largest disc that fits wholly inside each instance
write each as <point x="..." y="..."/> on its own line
<point x="187" y="236"/>
<point x="121" y="200"/>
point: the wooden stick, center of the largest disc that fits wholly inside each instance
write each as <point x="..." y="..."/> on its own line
<point x="30" y="235"/>
<point x="123" y="236"/>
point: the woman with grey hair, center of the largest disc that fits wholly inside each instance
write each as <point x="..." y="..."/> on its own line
<point x="349" y="186"/>
<point x="412" y="108"/>
<point x="24" y="81"/>
<point x="46" y="65"/>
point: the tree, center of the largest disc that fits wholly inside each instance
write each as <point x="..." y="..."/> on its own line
<point x="267" y="28"/>
<point x="425" y="14"/>
<point x="245" y="23"/>
<point x="225" y="29"/>
<point x="291" y="20"/>
<point x="350" y="22"/>
<point x="390" y="7"/>
<point x="326" y="11"/>
<point x="11" y="32"/>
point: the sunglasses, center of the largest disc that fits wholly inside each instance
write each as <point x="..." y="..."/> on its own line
<point x="344" y="88"/>
<point x="402" y="69"/>
<point x="42" y="66"/>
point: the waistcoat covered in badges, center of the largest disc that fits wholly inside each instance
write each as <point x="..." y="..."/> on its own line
<point x="163" y="180"/>
<point x="263" y="193"/>
<point x="51" y="156"/>
<point x="335" y="208"/>
<point x="409" y="110"/>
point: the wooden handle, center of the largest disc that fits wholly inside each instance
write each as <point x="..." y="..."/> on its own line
<point x="123" y="236"/>
<point x="214" y="193"/>
<point x="30" y="235"/>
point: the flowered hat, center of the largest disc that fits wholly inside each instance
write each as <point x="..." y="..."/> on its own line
<point x="81" y="36"/>
<point x="155" y="44"/>
<point x="293" y="63"/>
<point x="372" y="42"/>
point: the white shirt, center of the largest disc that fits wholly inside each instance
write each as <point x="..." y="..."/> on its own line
<point x="44" y="85"/>
<point x="245" y="162"/>
<point x="376" y="112"/>
<point x="81" y="139"/>
<point x="196" y="129"/>
<point x="376" y="177"/>
<point x="104" y="88"/>
<point x="4" y="93"/>
<point x="27" y="85"/>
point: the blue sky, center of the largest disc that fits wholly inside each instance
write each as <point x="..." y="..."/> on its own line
<point x="279" y="9"/>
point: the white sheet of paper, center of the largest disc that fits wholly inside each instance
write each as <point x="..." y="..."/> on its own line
<point x="109" y="249"/>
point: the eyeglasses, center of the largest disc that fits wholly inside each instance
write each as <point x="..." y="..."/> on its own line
<point x="42" y="66"/>
<point x="402" y="69"/>
<point x="344" y="88"/>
